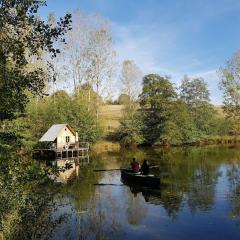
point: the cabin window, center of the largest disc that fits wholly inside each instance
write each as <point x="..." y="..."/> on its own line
<point x="67" y="139"/>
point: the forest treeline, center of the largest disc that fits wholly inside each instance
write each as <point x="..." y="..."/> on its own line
<point x="168" y="116"/>
<point x="62" y="71"/>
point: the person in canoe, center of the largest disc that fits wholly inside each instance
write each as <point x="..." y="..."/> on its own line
<point x="135" y="166"/>
<point x="145" y="168"/>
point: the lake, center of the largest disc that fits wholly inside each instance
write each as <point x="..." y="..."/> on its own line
<point x="199" y="197"/>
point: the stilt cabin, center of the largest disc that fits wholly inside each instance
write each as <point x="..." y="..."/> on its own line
<point x="61" y="141"/>
<point x="60" y="136"/>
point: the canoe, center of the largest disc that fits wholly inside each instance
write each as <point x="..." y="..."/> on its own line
<point x="129" y="176"/>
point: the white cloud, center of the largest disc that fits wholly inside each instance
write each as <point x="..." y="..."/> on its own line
<point x="159" y="44"/>
<point x="157" y="52"/>
<point x="143" y="44"/>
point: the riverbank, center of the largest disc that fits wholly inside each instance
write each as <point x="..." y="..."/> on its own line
<point x="106" y="145"/>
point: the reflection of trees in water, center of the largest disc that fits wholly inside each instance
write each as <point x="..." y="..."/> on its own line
<point x="193" y="173"/>
<point x="26" y="200"/>
<point x="97" y="216"/>
<point x="96" y="209"/>
<point x="136" y="207"/>
<point x="171" y="201"/>
<point x="202" y="192"/>
<point x="189" y="172"/>
<point x="34" y="208"/>
<point x="97" y="224"/>
<point x="233" y="174"/>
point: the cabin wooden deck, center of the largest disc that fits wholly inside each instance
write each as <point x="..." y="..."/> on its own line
<point x="53" y="153"/>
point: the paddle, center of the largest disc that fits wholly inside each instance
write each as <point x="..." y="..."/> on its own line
<point x="118" y="169"/>
<point x="107" y="184"/>
<point x="154" y="166"/>
<point x="104" y="170"/>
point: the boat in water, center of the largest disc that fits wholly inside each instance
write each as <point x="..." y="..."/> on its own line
<point x="128" y="176"/>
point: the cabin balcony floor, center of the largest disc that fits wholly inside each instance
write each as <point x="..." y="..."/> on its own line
<point x="61" y="153"/>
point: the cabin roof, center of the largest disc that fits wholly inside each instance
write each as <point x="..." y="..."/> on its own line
<point x="53" y="132"/>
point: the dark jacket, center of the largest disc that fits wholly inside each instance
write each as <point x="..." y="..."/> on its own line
<point x="145" y="168"/>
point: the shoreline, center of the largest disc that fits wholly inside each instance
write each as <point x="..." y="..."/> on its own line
<point x="106" y="145"/>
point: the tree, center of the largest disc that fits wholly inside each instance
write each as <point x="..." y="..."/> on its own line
<point x="184" y="130"/>
<point x="156" y="101"/>
<point x="23" y="35"/>
<point x="195" y="94"/>
<point x="230" y="85"/>
<point x="131" y="77"/>
<point x="101" y="68"/>
<point x="88" y="57"/>
<point x="129" y="133"/>
<point x="60" y="107"/>
<point x="73" y="60"/>
<point x="124" y="99"/>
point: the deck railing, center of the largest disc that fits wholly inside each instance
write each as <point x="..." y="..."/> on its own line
<point x="78" y="149"/>
<point x="79" y="145"/>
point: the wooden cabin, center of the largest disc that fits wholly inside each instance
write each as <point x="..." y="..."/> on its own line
<point x="60" y="136"/>
<point x="61" y="141"/>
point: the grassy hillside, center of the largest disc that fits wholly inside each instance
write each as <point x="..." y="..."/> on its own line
<point x="111" y="115"/>
<point x="219" y="110"/>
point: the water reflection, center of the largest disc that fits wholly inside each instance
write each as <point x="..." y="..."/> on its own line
<point x="26" y="199"/>
<point x="193" y="178"/>
<point x="199" y="197"/>
<point x="63" y="170"/>
<point x="191" y="181"/>
<point x="137" y="209"/>
<point x="233" y="175"/>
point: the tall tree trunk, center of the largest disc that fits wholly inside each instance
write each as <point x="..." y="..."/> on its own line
<point x="89" y="98"/>
<point x="97" y="110"/>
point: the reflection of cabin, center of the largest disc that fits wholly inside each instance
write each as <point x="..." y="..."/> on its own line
<point x="65" y="173"/>
<point x="61" y="141"/>
<point x="65" y="169"/>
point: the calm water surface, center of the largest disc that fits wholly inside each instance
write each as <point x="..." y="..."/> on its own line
<point x="199" y="197"/>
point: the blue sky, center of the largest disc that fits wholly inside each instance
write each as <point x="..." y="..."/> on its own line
<point x="173" y="37"/>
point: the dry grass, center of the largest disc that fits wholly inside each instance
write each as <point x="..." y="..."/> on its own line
<point x="219" y="109"/>
<point x="112" y="111"/>
<point x="105" y="146"/>
<point x="111" y="114"/>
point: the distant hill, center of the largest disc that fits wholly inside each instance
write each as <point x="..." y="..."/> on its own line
<point x="219" y="109"/>
<point x="111" y="115"/>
